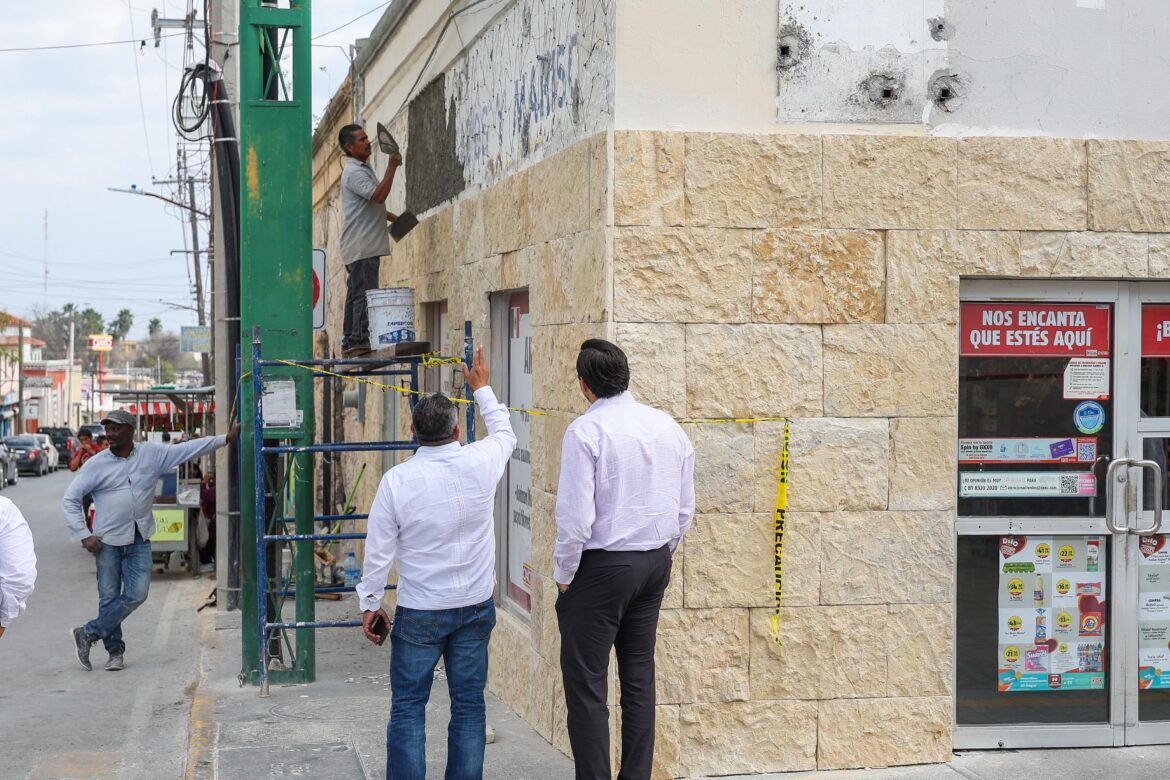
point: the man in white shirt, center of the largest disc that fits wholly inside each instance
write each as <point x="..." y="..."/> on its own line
<point x="626" y="497"/>
<point x="433" y="516"/>
<point x="18" y="563"/>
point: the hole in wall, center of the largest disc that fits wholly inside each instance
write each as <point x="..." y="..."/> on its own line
<point x="940" y="29"/>
<point x="882" y="89"/>
<point x="792" y="46"/>
<point x="947" y="90"/>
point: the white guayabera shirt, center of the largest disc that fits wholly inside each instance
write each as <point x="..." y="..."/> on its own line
<point x="433" y="515"/>
<point x="18" y="563"/>
<point x="627" y="482"/>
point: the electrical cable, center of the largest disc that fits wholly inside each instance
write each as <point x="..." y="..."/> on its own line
<point x="55" y="47"/>
<point x="141" y="103"/>
<point x="351" y="21"/>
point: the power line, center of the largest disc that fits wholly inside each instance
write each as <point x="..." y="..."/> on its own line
<point x="141" y="103"/>
<point x="79" y="45"/>
<point x="351" y="21"/>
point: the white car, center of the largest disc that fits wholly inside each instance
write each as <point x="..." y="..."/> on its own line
<point x="50" y="449"/>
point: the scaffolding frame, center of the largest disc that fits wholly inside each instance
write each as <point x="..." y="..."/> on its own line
<point x="272" y="520"/>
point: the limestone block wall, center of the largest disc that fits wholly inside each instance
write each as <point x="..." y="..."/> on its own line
<point x="808" y="276"/>
<point x="817" y="277"/>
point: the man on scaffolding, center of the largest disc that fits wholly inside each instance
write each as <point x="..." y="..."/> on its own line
<point x="433" y="515"/>
<point x="363" y="235"/>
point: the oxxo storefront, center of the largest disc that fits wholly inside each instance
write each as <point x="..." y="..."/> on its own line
<point x="1063" y="570"/>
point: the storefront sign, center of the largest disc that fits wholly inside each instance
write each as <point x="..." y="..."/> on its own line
<point x="1154" y="612"/>
<point x="1087" y="378"/>
<point x="1027" y="484"/>
<point x="1155" y="330"/>
<point x="100" y="342"/>
<point x="1029" y="450"/>
<point x="1034" y="330"/>
<point x="1051" y="613"/>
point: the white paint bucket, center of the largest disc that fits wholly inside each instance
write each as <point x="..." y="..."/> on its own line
<point x="391" y="314"/>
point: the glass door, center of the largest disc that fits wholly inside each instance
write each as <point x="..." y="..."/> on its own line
<point x="1143" y="492"/>
<point x="1063" y="582"/>
<point x="1038" y="426"/>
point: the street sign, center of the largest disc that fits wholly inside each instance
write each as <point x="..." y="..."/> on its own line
<point x="318" y="289"/>
<point x="101" y="342"/>
<point x="38" y="381"/>
<point x="195" y="338"/>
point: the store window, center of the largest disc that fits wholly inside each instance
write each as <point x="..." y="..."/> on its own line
<point x="437" y="379"/>
<point x="1035" y="409"/>
<point x="512" y="378"/>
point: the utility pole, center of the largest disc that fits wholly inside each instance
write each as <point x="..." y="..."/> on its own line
<point x="195" y="261"/>
<point x="20" y="376"/>
<point x="69" y="380"/>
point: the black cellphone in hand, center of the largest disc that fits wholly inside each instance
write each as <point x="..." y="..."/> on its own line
<point x="380" y="628"/>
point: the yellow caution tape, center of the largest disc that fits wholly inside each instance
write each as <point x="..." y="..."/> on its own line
<point x="778" y="523"/>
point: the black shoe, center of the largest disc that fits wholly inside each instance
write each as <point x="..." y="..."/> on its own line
<point x="115" y="664"/>
<point x="355" y="350"/>
<point x="81" y="644"/>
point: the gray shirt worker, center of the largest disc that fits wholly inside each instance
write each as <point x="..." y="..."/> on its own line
<point x="364" y="232"/>
<point x="123" y="488"/>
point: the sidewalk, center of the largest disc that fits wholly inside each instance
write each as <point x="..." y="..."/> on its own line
<point x="334" y="728"/>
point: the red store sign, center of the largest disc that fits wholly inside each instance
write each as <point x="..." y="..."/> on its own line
<point x="1035" y="330"/>
<point x="1156" y="330"/>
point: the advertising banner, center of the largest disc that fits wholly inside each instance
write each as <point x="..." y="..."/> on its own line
<point x="1156" y="330"/>
<point x="1027" y="484"/>
<point x="1051" y="613"/>
<point x="1034" y="330"/>
<point x="1029" y="450"/>
<point x="1154" y="612"/>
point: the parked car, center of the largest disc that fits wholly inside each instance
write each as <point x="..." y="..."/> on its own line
<point x="65" y="442"/>
<point x="9" y="470"/>
<point x="32" y="453"/>
<point x="50" y="450"/>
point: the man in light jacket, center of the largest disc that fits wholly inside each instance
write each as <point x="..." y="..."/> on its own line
<point x="122" y="481"/>
<point x="433" y="516"/>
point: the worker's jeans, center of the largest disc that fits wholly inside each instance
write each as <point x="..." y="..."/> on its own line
<point x="123" y="577"/>
<point x="417" y="640"/>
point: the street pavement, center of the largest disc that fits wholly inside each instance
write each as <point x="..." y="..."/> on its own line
<point x="178" y="711"/>
<point x="58" y="720"/>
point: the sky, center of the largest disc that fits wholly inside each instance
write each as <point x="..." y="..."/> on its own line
<point x="78" y="121"/>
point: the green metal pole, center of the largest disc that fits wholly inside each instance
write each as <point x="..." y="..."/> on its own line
<point x="275" y="284"/>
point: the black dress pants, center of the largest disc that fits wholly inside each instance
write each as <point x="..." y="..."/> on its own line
<point x="613" y="601"/>
<point x="361" y="275"/>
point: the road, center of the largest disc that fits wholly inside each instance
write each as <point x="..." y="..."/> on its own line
<point x="60" y="721"/>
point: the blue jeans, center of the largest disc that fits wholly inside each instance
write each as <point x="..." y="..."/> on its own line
<point x="417" y="640"/>
<point x="123" y="577"/>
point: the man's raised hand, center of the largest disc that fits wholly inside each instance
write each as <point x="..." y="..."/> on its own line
<point x="477" y="375"/>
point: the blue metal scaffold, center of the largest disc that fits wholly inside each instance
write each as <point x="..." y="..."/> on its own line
<point x="272" y="590"/>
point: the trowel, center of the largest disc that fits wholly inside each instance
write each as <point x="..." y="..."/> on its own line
<point x="406" y="220"/>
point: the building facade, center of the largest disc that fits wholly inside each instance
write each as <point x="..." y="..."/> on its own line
<point x="928" y="238"/>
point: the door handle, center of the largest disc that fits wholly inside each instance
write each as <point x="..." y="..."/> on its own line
<point x="1110" y="506"/>
<point x="1152" y="466"/>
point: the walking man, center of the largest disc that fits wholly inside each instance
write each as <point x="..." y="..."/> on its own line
<point x="122" y="481"/>
<point x="18" y="563"/>
<point x="433" y="516"/>
<point x="625" y="498"/>
<point x="363" y="235"/>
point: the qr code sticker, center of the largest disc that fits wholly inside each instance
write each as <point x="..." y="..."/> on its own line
<point x="1068" y="484"/>
<point x="1087" y="452"/>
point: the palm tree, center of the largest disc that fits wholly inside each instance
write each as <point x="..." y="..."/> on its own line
<point x="120" y="325"/>
<point x="155" y="327"/>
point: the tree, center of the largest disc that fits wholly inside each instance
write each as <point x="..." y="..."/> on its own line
<point x="120" y="325"/>
<point x="155" y="327"/>
<point x="52" y="327"/>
